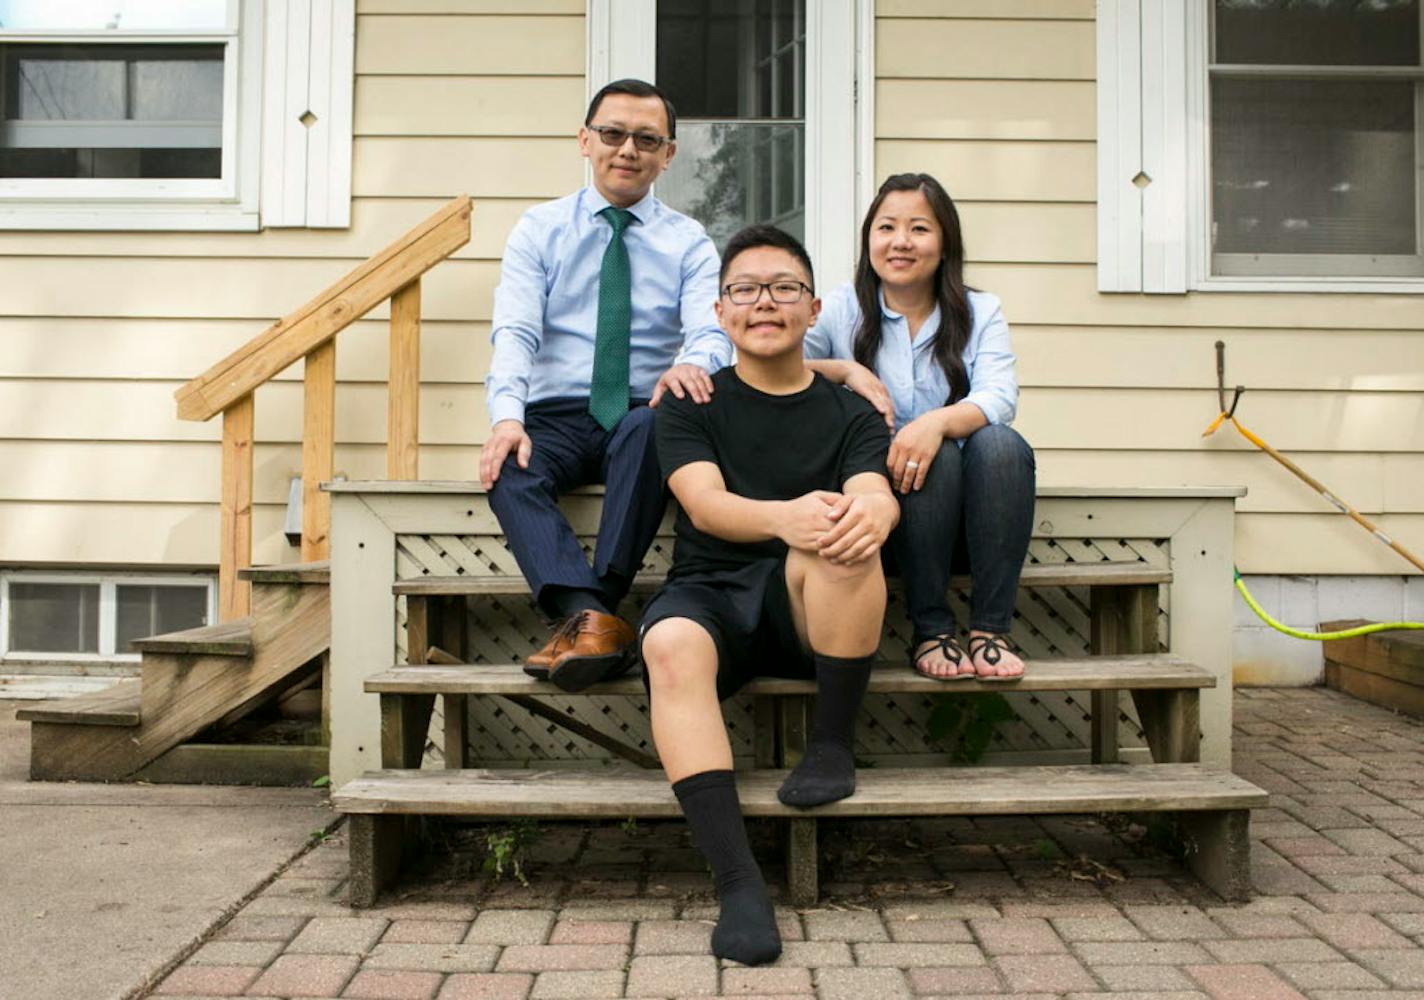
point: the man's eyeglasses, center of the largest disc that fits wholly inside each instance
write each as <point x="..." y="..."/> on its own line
<point x="746" y="293"/>
<point x="646" y="142"/>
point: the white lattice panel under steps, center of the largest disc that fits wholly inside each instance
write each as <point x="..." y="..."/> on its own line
<point x="1048" y="621"/>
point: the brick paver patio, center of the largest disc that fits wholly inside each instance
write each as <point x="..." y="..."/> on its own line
<point x="1053" y="907"/>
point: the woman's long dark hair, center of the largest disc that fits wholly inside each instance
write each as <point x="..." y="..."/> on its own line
<point x="956" y="320"/>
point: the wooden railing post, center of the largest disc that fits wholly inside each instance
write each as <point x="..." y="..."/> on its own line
<point x="318" y="446"/>
<point x="403" y="409"/>
<point x="235" y="549"/>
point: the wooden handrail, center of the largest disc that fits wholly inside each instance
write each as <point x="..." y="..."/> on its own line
<point x="309" y="332"/>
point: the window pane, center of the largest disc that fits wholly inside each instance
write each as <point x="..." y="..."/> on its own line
<point x="729" y="174"/>
<point x="183" y="89"/>
<point x="1302" y="166"/>
<point x="721" y="60"/>
<point x="42" y="85"/>
<point x="1318" y="32"/>
<point x="117" y="111"/>
<point x="54" y="617"/>
<point x="145" y="611"/>
<point x="116" y="15"/>
<point x="728" y="68"/>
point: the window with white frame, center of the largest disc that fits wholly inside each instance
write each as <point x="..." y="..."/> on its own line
<point x="129" y="105"/>
<point x="153" y="114"/>
<point x="1260" y="145"/>
<point x="1315" y="140"/>
<point x="769" y="125"/>
<point x="88" y="616"/>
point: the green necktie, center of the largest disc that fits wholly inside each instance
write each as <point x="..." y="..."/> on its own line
<point x="608" y="395"/>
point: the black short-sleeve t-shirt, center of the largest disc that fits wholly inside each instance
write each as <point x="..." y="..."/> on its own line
<point x="768" y="448"/>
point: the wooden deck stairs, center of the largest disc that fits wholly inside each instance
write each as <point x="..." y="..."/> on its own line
<point x="275" y="622"/>
<point x="1211" y="806"/>
<point x="191" y="682"/>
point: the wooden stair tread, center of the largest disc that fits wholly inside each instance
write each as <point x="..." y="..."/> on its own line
<point x="311" y="572"/>
<point x="114" y="706"/>
<point x="1118" y="574"/>
<point x="880" y="792"/>
<point x="232" y="638"/>
<point x="1160" y="671"/>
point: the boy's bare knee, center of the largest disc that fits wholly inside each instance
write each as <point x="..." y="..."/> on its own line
<point x="845" y="574"/>
<point x="679" y="653"/>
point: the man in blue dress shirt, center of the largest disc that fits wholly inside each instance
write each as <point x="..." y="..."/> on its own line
<point x="605" y="303"/>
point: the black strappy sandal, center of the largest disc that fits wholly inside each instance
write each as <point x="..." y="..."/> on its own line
<point x="993" y="647"/>
<point x="947" y="645"/>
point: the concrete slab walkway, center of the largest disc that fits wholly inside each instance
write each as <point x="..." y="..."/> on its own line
<point x="103" y="886"/>
<point x="1053" y="907"/>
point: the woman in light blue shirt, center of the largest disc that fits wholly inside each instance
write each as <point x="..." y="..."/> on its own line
<point x="934" y="357"/>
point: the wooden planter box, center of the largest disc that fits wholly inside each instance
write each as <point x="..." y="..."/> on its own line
<point x="1385" y="669"/>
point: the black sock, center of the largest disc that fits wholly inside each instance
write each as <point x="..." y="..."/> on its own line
<point x="827" y="772"/>
<point x="746" y="929"/>
<point x="615" y="588"/>
<point x="565" y="602"/>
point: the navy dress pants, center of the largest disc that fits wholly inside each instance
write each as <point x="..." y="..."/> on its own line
<point x="571" y="450"/>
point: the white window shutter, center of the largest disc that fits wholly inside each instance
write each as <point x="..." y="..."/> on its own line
<point x="1142" y="146"/>
<point x="307" y="113"/>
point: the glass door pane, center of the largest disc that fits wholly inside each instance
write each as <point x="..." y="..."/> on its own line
<point x="736" y="72"/>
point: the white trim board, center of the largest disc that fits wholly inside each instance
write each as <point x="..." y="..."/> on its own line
<point x="307" y="114"/>
<point x="1142" y="144"/>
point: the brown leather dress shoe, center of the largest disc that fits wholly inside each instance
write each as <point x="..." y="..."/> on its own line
<point x="601" y="644"/>
<point x="560" y="642"/>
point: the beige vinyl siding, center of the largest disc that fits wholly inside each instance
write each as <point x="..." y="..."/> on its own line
<point x="99" y="329"/>
<point x="997" y="100"/>
<point x="993" y="96"/>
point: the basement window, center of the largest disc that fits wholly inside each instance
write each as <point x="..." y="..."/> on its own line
<point x="77" y="616"/>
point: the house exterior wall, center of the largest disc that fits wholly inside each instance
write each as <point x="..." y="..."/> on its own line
<point x="997" y="100"/>
<point x="995" y="97"/>
<point x="97" y="330"/>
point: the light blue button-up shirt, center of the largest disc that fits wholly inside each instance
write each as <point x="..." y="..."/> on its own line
<point x="546" y="303"/>
<point x="915" y="381"/>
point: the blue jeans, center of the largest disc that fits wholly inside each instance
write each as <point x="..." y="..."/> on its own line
<point x="977" y="502"/>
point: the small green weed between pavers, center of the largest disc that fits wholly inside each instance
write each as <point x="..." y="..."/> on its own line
<point x="507" y="849"/>
<point x="966" y="723"/>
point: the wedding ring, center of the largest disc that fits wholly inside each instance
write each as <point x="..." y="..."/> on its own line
<point x="912" y="465"/>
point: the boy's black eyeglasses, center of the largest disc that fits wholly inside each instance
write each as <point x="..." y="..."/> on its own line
<point x="745" y="293"/>
<point x="646" y="142"/>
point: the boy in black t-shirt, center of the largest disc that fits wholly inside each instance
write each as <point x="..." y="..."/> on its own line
<point x="776" y="570"/>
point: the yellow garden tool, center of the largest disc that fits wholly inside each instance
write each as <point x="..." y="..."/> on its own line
<point x="1229" y="414"/>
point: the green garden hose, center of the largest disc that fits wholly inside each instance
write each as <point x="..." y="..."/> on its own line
<point x="1348" y="633"/>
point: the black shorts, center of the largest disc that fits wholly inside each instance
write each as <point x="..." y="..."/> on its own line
<point x="748" y="614"/>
